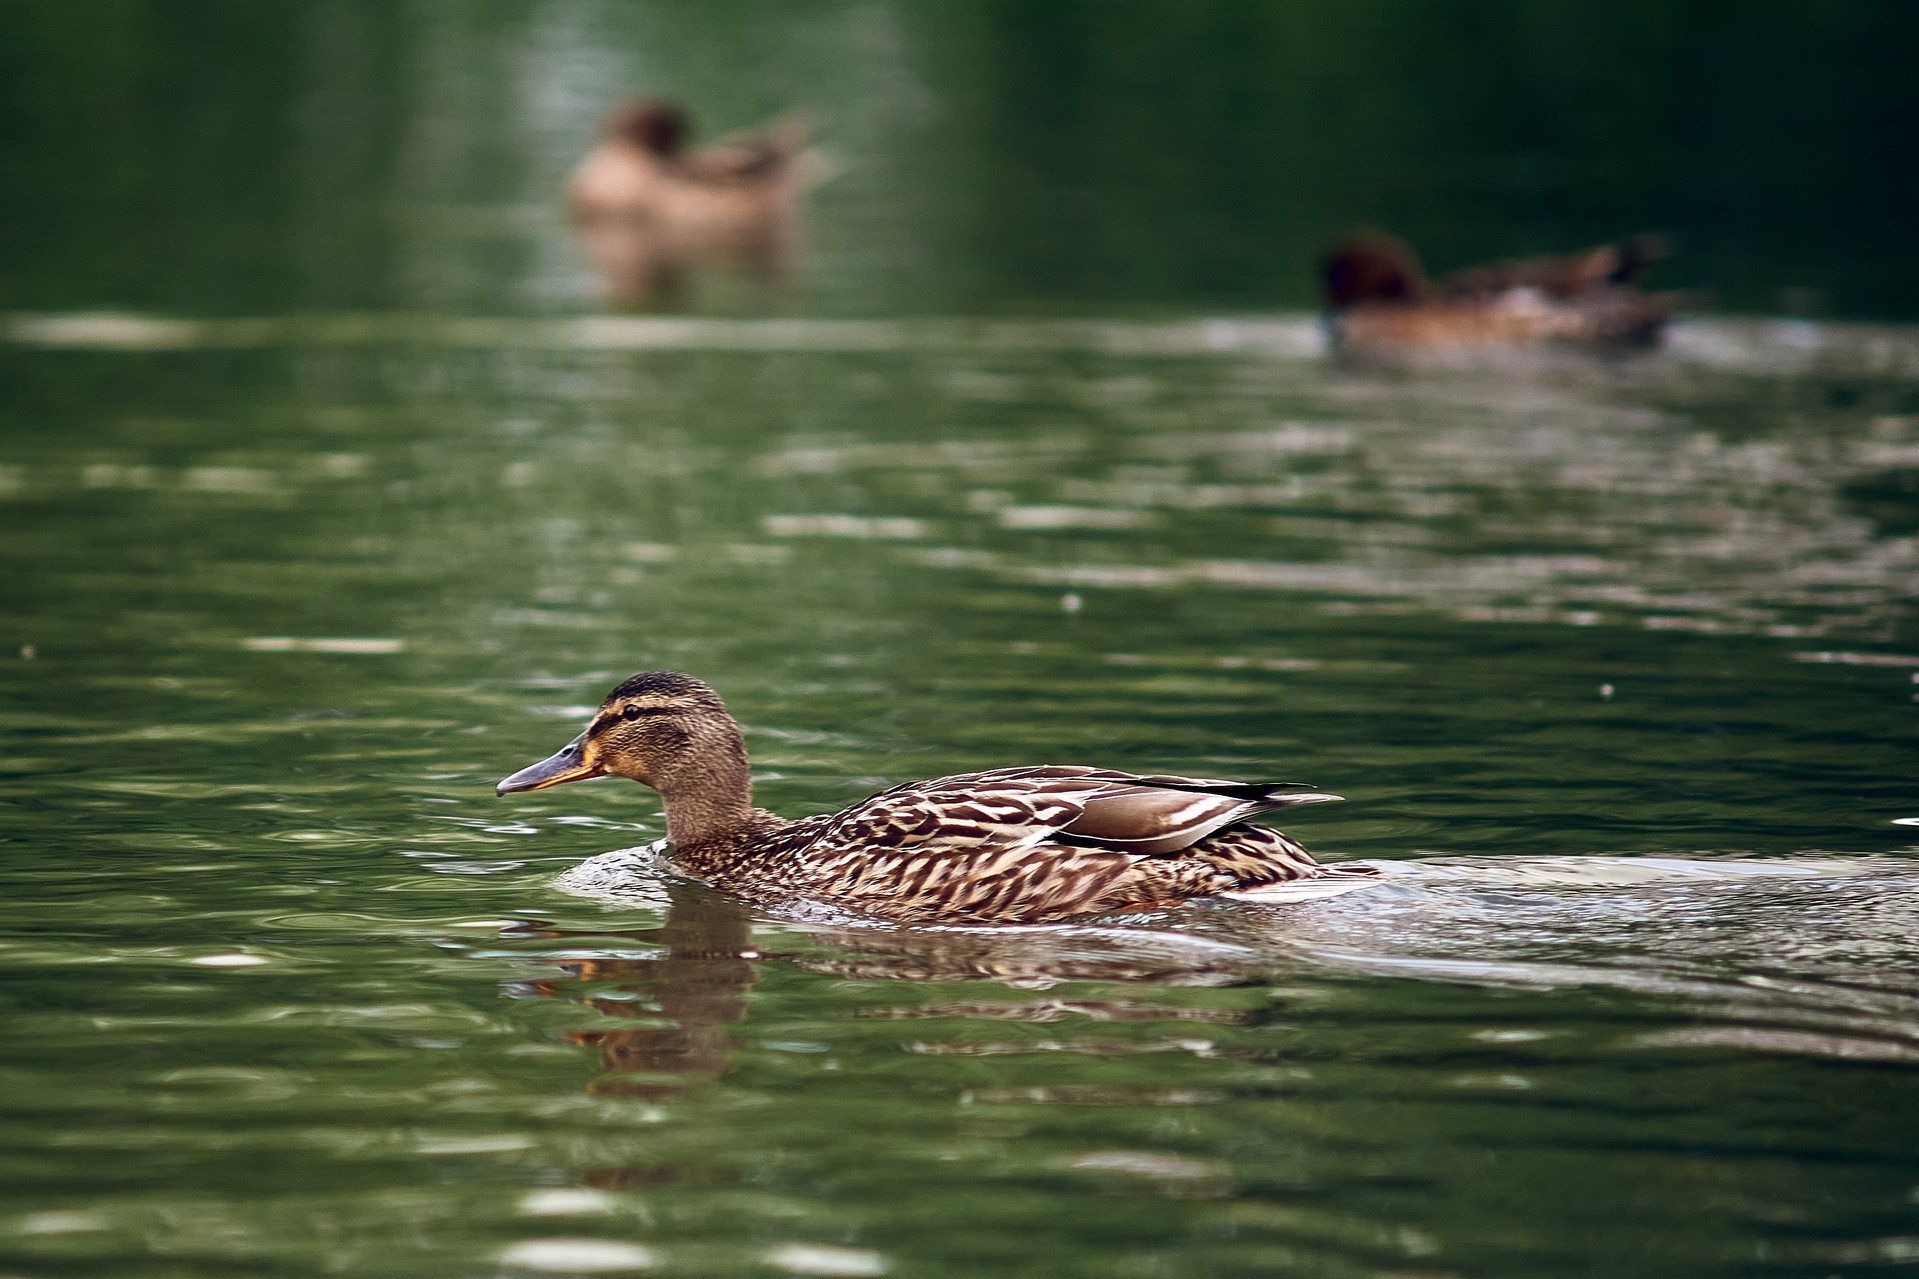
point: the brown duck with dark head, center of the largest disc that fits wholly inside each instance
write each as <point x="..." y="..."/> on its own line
<point x="1379" y="300"/>
<point x="1012" y="845"/>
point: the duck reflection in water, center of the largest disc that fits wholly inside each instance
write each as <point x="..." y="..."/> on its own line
<point x="1380" y="304"/>
<point x="1667" y="928"/>
<point x="1753" y="956"/>
<point x="685" y="1002"/>
<point x="688" y="996"/>
<point x="691" y="994"/>
<point x="650" y="210"/>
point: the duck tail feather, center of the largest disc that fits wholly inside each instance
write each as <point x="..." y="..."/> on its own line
<point x="1296" y="798"/>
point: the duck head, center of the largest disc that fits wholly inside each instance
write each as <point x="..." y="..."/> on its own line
<point x="1371" y="267"/>
<point x="661" y="728"/>
<point x="654" y="125"/>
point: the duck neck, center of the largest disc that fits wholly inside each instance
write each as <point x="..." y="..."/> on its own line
<point x="711" y="796"/>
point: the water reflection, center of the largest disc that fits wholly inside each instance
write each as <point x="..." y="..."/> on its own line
<point x="1790" y="955"/>
<point x="689" y="995"/>
<point x="690" y="1001"/>
<point x="696" y="988"/>
<point x="1248" y="1083"/>
<point x="1696" y="491"/>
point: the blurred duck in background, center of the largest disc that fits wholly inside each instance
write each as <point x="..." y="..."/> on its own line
<point x="1380" y="303"/>
<point x="650" y="209"/>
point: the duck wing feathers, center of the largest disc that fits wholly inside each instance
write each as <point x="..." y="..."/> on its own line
<point x="1014" y="809"/>
<point x="752" y="156"/>
<point x="1564" y="276"/>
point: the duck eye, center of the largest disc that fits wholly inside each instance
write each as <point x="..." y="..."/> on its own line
<point x="630" y="712"/>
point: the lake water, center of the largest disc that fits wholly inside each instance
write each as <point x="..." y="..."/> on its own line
<point x="309" y="542"/>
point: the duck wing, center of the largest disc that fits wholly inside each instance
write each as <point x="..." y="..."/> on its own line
<point x="929" y="818"/>
<point x="1563" y="276"/>
<point x="750" y="156"/>
<point x="1014" y="809"/>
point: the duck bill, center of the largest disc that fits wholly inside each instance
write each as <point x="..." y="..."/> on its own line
<point x="568" y="764"/>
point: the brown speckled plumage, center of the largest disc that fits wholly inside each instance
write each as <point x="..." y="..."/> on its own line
<point x="1012" y="845"/>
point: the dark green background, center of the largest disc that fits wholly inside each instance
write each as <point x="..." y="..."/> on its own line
<point x="229" y="157"/>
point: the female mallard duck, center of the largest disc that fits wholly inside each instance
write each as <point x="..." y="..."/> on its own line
<point x="1013" y="845"/>
<point x="648" y="207"/>
<point x="1379" y="300"/>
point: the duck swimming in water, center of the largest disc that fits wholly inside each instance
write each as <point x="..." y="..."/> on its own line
<point x="1380" y="302"/>
<point x="649" y="207"/>
<point x="1011" y="845"/>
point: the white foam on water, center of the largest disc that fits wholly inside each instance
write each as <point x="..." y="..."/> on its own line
<point x="578" y="1256"/>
